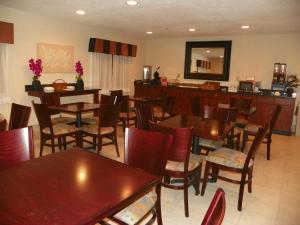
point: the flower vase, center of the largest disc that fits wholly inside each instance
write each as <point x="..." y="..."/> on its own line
<point x="36" y="85"/>
<point x="79" y="85"/>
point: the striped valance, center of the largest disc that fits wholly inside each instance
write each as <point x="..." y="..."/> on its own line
<point x="6" y="32"/>
<point x="112" y="47"/>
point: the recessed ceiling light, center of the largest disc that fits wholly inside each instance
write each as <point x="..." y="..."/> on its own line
<point x="80" y="12"/>
<point x="207" y="51"/>
<point x="149" y="32"/>
<point x="131" y="2"/>
<point x="245" y="27"/>
<point x="192" y="29"/>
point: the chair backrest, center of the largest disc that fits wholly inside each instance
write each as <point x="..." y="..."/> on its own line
<point x="227" y="114"/>
<point x="19" y="116"/>
<point x="216" y="211"/>
<point x="182" y="138"/>
<point x="274" y="117"/>
<point x="168" y="105"/>
<point x="16" y="146"/>
<point x="144" y="113"/>
<point x="147" y="150"/>
<point x="52" y="99"/>
<point x="108" y="115"/>
<point x="3" y="123"/>
<point x="124" y="99"/>
<point x="108" y="99"/>
<point x="42" y="114"/>
<point x="240" y="103"/>
<point x="116" y="92"/>
<point x="195" y="104"/>
<point x="261" y="133"/>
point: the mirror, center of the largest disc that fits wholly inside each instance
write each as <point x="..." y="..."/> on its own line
<point x="207" y="60"/>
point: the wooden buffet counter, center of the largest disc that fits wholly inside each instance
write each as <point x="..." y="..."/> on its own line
<point x="264" y="104"/>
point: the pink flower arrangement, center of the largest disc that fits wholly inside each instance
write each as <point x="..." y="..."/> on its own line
<point x="36" y="67"/>
<point x="79" y="70"/>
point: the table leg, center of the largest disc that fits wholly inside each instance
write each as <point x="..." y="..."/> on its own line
<point x="78" y="119"/>
<point x="195" y="145"/>
<point x="79" y="139"/>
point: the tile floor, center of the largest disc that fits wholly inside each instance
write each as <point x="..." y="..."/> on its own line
<point x="275" y="199"/>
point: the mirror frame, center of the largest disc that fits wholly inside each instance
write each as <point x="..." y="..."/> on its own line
<point x="207" y="44"/>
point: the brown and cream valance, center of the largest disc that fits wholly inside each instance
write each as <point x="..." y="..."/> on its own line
<point x="6" y="32"/>
<point x="112" y="47"/>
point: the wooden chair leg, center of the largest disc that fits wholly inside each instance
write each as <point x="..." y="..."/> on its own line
<point x="65" y="142"/>
<point x="238" y="140"/>
<point x="99" y="146"/>
<point x="241" y="192"/>
<point x="116" y="143"/>
<point x="158" y="205"/>
<point x="167" y="179"/>
<point x="205" y="178"/>
<point x="52" y="145"/>
<point x="186" y="196"/>
<point x="269" y="148"/>
<point x="59" y="143"/>
<point x="245" y="139"/>
<point x="196" y="183"/>
<point x="250" y="174"/>
<point x="41" y="145"/>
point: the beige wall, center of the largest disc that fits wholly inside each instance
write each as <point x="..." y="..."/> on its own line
<point x="31" y="29"/>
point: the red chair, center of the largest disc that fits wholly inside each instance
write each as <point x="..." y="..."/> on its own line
<point x="144" y="113"/>
<point x="16" y="146"/>
<point x="216" y="211"/>
<point x="148" y="151"/>
<point x="181" y="164"/>
<point x="19" y="116"/>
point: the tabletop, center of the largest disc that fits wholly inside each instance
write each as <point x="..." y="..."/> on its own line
<point x="203" y="128"/>
<point x="76" y="107"/>
<point x="68" y="188"/>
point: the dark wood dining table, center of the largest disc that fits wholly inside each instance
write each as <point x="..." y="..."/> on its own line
<point x="203" y="128"/>
<point x="69" y="188"/>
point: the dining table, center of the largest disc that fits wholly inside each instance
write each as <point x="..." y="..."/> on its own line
<point x="212" y="129"/>
<point x="69" y="188"/>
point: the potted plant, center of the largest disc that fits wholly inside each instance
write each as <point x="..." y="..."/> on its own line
<point x="36" y="67"/>
<point x="79" y="70"/>
<point x="292" y="82"/>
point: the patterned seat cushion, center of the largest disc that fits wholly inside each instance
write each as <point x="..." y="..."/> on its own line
<point x="60" y="129"/>
<point x="210" y="143"/>
<point x="134" y="212"/>
<point x="252" y="128"/>
<point x="62" y="119"/>
<point x="194" y="162"/>
<point x="228" y="157"/>
<point x="123" y="115"/>
<point x="93" y="129"/>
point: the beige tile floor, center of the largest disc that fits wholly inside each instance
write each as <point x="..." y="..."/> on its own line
<point x="275" y="199"/>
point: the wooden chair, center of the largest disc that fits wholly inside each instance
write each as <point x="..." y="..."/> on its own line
<point x="49" y="132"/>
<point x="216" y="211"/>
<point x="236" y="162"/>
<point x="148" y="151"/>
<point x="105" y="128"/>
<point x="251" y="130"/>
<point x="181" y="163"/>
<point x="116" y="92"/>
<point x="3" y="123"/>
<point x="144" y="113"/>
<point x="166" y="110"/>
<point x="16" y="146"/>
<point x="242" y="104"/>
<point x="126" y="115"/>
<point x="19" y="116"/>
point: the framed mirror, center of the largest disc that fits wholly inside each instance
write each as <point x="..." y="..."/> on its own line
<point x="207" y="60"/>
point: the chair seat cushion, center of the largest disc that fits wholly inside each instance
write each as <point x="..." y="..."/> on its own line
<point x="90" y="120"/>
<point x="252" y="128"/>
<point x="93" y="129"/>
<point x="123" y="115"/>
<point x="194" y="162"/>
<point x="60" y="129"/>
<point x="228" y="157"/>
<point x="134" y="212"/>
<point x="210" y="143"/>
<point x="62" y="119"/>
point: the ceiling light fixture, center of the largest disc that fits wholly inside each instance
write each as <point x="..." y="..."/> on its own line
<point x="80" y="12"/>
<point x="149" y="32"/>
<point x="245" y="27"/>
<point x="192" y="29"/>
<point x="132" y="3"/>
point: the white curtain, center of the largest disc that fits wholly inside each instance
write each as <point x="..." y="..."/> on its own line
<point x="109" y="72"/>
<point x="3" y="74"/>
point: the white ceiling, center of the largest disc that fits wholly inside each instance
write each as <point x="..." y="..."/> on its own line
<point x="173" y="17"/>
